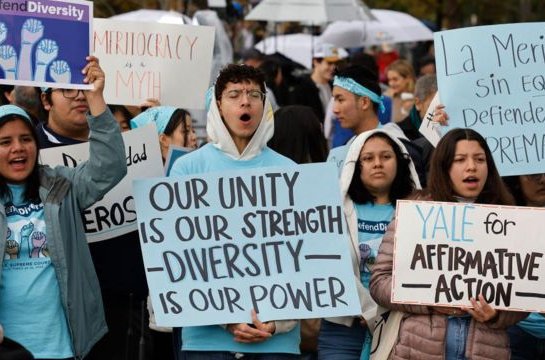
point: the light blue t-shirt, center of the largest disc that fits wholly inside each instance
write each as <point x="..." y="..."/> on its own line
<point x="373" y="219"/>
<point x="214" y="337"/>
<point x="31" y="311"/>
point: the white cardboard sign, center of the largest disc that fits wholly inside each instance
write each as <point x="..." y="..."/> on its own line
<point x="447" y="253"/>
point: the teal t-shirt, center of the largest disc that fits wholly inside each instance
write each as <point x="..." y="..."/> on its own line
<point x="31" y="311"/>
<point x="373" y="219"/>
<point x="214" y="337"/>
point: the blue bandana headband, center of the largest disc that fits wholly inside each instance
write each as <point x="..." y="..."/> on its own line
<point x="355" y="88"/>
<point x="6" y="110"/>
<point x="160" y="115"/>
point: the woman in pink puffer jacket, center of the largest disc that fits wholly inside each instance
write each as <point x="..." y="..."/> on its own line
<point x="462" y="170"/>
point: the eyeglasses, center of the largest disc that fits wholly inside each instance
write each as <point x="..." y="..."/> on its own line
<point x="70" y="93"/>
<point x="536" y="177"/>
<point x="253" y="95"/>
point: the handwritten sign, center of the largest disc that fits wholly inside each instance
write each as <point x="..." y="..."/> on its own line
<point x="115" y="214"/>
<point x="222" y="244"/>
<point x="169" y="62"/>
<point x="34" y="47"/>
<point x="429" y="128"/>
<point x="491" y="80"/>
<point x="446" y="253"/>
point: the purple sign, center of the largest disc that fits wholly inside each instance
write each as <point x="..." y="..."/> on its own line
<point x="44" y="43"/>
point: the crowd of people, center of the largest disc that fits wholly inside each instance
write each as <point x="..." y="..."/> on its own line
<point x="64" y="298"/>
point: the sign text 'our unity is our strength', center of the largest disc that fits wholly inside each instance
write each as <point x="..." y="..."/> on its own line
<point x="224" y="244"/>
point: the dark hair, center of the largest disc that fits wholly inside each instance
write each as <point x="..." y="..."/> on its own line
<point x="238" y="74"/>
<point x="178" y="117"/>
<point x="122" y="109"/>
<point x="251" y="54"/>
<point x="402" y="186"/>
<point x="3" y="90"/>
<point x="439" y="182"/>
<point x="363" y="76"/>
<point x="298" y="135"/>
<point x="425" y="60"/>
<point x="32" y="182"/>
<point x="365" y="60"/>
<point x="270" y="68"/>
<point x="514" y="185"/>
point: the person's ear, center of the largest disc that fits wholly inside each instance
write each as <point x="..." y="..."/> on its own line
<point x="164" y="142"/>
<point x="364" y="102"/>
<point x="417" y="103"/>
<point x="45" y="102"/>
<point x="10" y="96"/>
<point x="218" y="103"/>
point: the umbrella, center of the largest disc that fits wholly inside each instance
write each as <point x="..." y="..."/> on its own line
<point x="390" y="27"/>
<point x="310" y="11"/>
<point x="297" y="47"/>
<point x="160" y="16"/>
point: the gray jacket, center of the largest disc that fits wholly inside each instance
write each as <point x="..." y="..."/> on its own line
<point x="65" y="192"/>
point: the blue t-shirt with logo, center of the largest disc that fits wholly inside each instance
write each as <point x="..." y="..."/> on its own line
<point x="31" y="311"/>
<point x="373" y="219"/>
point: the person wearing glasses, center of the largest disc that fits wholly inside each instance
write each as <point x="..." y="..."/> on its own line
<point x="67" y="117"/>
<point x="118" y="261"/>
<point x="240" y="123"/>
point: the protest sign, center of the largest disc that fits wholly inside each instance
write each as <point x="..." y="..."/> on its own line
<point x="34" y="47"/>
<point x="447" y="253"/>
<point x="429" y="128"/>
<point x="168" y="62"/>
<point x="114" y="214"/>
<point x="491" y="80"/>
<point x="269" y="239"/>
<point x="174" y="152"/>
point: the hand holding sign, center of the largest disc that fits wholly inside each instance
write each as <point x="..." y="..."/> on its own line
<point x="464" y="252"/>
<point x="95" y="76"/>
<point x="252" y="333"/>
<point x="482" y="311"/>
<point x="440" y="115"/>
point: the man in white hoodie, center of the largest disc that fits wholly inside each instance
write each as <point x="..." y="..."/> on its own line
<point x="240" y="123"/>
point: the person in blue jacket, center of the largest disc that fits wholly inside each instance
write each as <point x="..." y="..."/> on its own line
<point x="240" y="122"/>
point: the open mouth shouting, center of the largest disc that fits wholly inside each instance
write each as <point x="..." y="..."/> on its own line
<point x="18" y="163"/>
<point x="245" y="117"/>
<point x="471" y="181"/>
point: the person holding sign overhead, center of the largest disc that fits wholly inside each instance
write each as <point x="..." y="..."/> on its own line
<point x="376" y="173"/>
<point x="122" y="279"/>
<point x="462" y="170"/>
<point x="50" y="296"/>
<point x="240" y="122"/>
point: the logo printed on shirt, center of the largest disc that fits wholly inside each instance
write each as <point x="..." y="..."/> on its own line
<point x="26" y="238"/>
<point x="23" y="210"/>
<point x="372" y="227"/>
